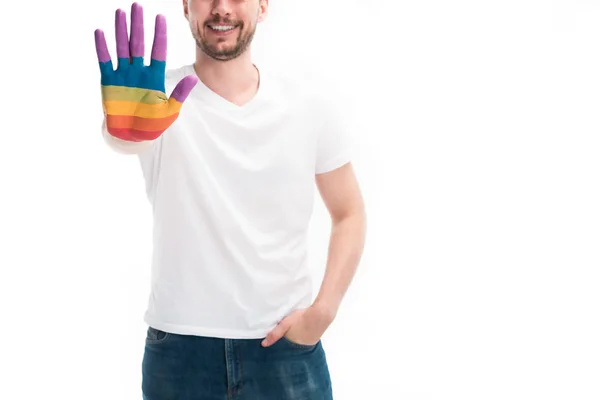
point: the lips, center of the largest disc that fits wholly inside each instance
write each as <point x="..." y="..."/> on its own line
<point x="222" y="28"/>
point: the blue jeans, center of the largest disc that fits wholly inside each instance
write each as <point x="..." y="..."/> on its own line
<point x="184" y="367"/>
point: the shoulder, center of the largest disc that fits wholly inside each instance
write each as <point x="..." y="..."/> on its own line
<point x="283" y="84"/>
<point x="175" y="74"/>
<point x="304" y="89"/>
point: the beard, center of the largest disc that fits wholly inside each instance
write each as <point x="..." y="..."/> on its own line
<point x="242" y="42"/>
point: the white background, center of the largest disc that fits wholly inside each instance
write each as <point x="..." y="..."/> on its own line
<point x="479" y="163"/>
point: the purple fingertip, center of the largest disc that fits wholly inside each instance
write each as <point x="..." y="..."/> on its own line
<point x="136" y="46"/>
<point x="121" y="34"/>
<point x="101" y="48"/>
<point x="184" y="87"/>
<point x="159" y="48"/>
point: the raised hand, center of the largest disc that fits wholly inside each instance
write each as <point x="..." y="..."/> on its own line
<point x="134" y="101"/>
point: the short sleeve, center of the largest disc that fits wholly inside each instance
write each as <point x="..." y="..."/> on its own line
<point x="150" y="160"/>
<point x="335" y="137"/>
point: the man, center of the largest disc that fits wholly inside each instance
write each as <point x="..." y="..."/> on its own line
<point x="230" y="161"/>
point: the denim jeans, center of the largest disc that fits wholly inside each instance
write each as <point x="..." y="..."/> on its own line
<point x="184" y="367"/>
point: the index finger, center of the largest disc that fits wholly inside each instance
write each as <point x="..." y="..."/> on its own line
<point x="159" y="47"/>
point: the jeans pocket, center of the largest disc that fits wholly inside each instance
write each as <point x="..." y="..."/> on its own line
<point x="156" y="336"/>
<point x="299" y="345"/>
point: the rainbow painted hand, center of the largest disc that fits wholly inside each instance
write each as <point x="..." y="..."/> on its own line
<point x="135" y="105"/>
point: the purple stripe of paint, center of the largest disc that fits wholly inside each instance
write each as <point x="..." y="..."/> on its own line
<point x="101" y="49"/>
<point x="159" y="48"/>
<point x="121" y="34"/>
<point x="184" y="87"/>
<point x="137" y="31"/>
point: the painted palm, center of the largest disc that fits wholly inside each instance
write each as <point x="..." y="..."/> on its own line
<point x="135" y="104"/>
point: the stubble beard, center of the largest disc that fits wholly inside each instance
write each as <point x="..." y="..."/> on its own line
<point x="243" y="41"/>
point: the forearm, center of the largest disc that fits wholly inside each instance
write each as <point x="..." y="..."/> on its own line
<point x="345" y="250"/>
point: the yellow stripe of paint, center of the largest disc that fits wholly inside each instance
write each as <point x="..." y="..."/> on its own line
<point x="142" y="110"/>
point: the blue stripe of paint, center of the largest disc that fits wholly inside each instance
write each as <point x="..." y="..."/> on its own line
<point x="136" y="74"/>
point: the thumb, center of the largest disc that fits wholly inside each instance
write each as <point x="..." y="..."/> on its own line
<point x="278" y="331"/>
<point x="182" y="90"/>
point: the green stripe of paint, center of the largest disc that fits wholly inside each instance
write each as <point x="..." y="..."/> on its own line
<point x="124" y="93"/>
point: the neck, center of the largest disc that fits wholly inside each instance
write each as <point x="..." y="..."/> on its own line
<point x="227" y="78"/>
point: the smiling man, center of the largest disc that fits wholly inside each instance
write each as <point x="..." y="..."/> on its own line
<point x="231" y="156"/>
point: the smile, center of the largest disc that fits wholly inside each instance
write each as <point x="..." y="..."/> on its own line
<point x="222" y="28"/>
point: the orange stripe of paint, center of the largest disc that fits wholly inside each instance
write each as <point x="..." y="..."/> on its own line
<point x="138" y="109"/>
<point x="139" y="123"/>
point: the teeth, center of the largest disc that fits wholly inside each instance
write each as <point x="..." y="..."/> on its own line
<point x="222" y="28"/>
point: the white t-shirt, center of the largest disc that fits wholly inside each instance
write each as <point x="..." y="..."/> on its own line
<point x="232" y="191"/>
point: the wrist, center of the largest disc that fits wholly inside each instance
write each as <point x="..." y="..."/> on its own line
<point x="326" y="310"/>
